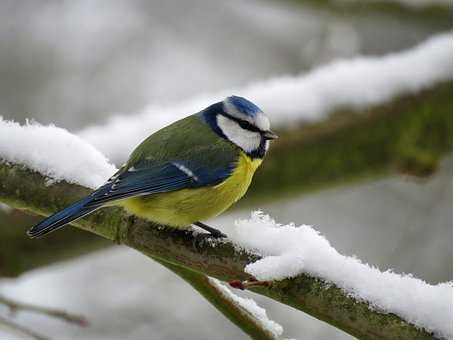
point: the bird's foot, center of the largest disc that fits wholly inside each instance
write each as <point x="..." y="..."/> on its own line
<point x="214" y="232"/>
<point x="248" y="284"/>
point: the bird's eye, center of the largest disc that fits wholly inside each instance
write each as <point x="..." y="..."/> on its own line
<point x="246" y="125"/>
<point x="243" y="123"/>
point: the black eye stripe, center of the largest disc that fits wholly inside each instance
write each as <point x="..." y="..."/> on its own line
<point x="243" y="123"/>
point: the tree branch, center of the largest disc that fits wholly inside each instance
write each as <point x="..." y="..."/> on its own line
<point x="24" y="189"/>
<point x="235" y="313"/>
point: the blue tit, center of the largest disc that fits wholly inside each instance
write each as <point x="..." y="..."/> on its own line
<point x="187" y="172"/>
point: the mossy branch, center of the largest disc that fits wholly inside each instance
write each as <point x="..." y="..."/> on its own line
<point x="24" y="189"/>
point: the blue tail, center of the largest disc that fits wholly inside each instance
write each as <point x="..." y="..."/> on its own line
<point x="63" y="217"/>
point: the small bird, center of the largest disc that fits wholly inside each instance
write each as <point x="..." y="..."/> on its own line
<point x="187" y="172"/>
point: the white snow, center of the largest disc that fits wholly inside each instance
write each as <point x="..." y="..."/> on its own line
<point x="5" y="208"/>
<point x="251" y="307"/>
<point x="53" y="152"/>
<point x="288" y="251"/>
<point x="356" y="83"/>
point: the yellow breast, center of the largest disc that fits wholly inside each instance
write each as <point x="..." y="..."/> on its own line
<point x="184" y="207"/>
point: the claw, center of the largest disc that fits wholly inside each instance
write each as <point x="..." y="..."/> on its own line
<point x="214" y="232"/>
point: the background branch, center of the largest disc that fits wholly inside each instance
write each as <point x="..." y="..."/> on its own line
<point x="15" y="306"/>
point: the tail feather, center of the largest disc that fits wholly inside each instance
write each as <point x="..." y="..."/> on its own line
<point x="58" y="220"/>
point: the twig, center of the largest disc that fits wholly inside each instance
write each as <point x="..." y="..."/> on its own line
<point x="15" y="306"/>
<point x="21" y="329"/>
<point x="242" y="285"/>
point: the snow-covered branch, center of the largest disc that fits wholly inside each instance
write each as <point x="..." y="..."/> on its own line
<point x="345" y="303"/>
<point x="249" y="309"/>
<point x="53" y="152"/>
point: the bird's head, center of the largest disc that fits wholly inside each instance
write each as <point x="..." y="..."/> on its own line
<point x="242" y="123"/>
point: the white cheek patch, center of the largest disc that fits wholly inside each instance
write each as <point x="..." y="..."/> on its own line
<point x="245" y="139"/>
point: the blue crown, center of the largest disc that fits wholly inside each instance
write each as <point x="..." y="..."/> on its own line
<point x="243" y="105"/>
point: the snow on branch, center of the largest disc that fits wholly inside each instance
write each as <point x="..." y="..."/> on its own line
<point x="53" y="152"/>
<point x="250" y="306"/>
<point x="288" y="251"/>
<point x="356" y="83"/>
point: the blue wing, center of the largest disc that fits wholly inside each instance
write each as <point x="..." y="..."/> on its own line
<point x="145" y="179"/>
<point x="186" y="154"/>
<point x="135" y="181"/>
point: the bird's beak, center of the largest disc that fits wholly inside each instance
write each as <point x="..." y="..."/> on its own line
<point x="269" y="135"/>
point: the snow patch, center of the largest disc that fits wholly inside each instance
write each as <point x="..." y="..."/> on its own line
<point x="288" y="251"/>
<point x="5" y="208"/>
<point x="53" y="152"/>
<point x="251" y="307"/>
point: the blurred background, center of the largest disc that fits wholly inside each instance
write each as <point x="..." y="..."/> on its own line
<point x="376" y="182"/>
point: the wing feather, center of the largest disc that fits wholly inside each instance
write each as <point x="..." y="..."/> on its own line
<point x="155" y="179"/>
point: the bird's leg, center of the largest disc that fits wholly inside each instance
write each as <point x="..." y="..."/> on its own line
<point x="214" y="232"/>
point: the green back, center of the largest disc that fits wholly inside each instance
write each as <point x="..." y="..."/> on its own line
<point x="189" y="140"/>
